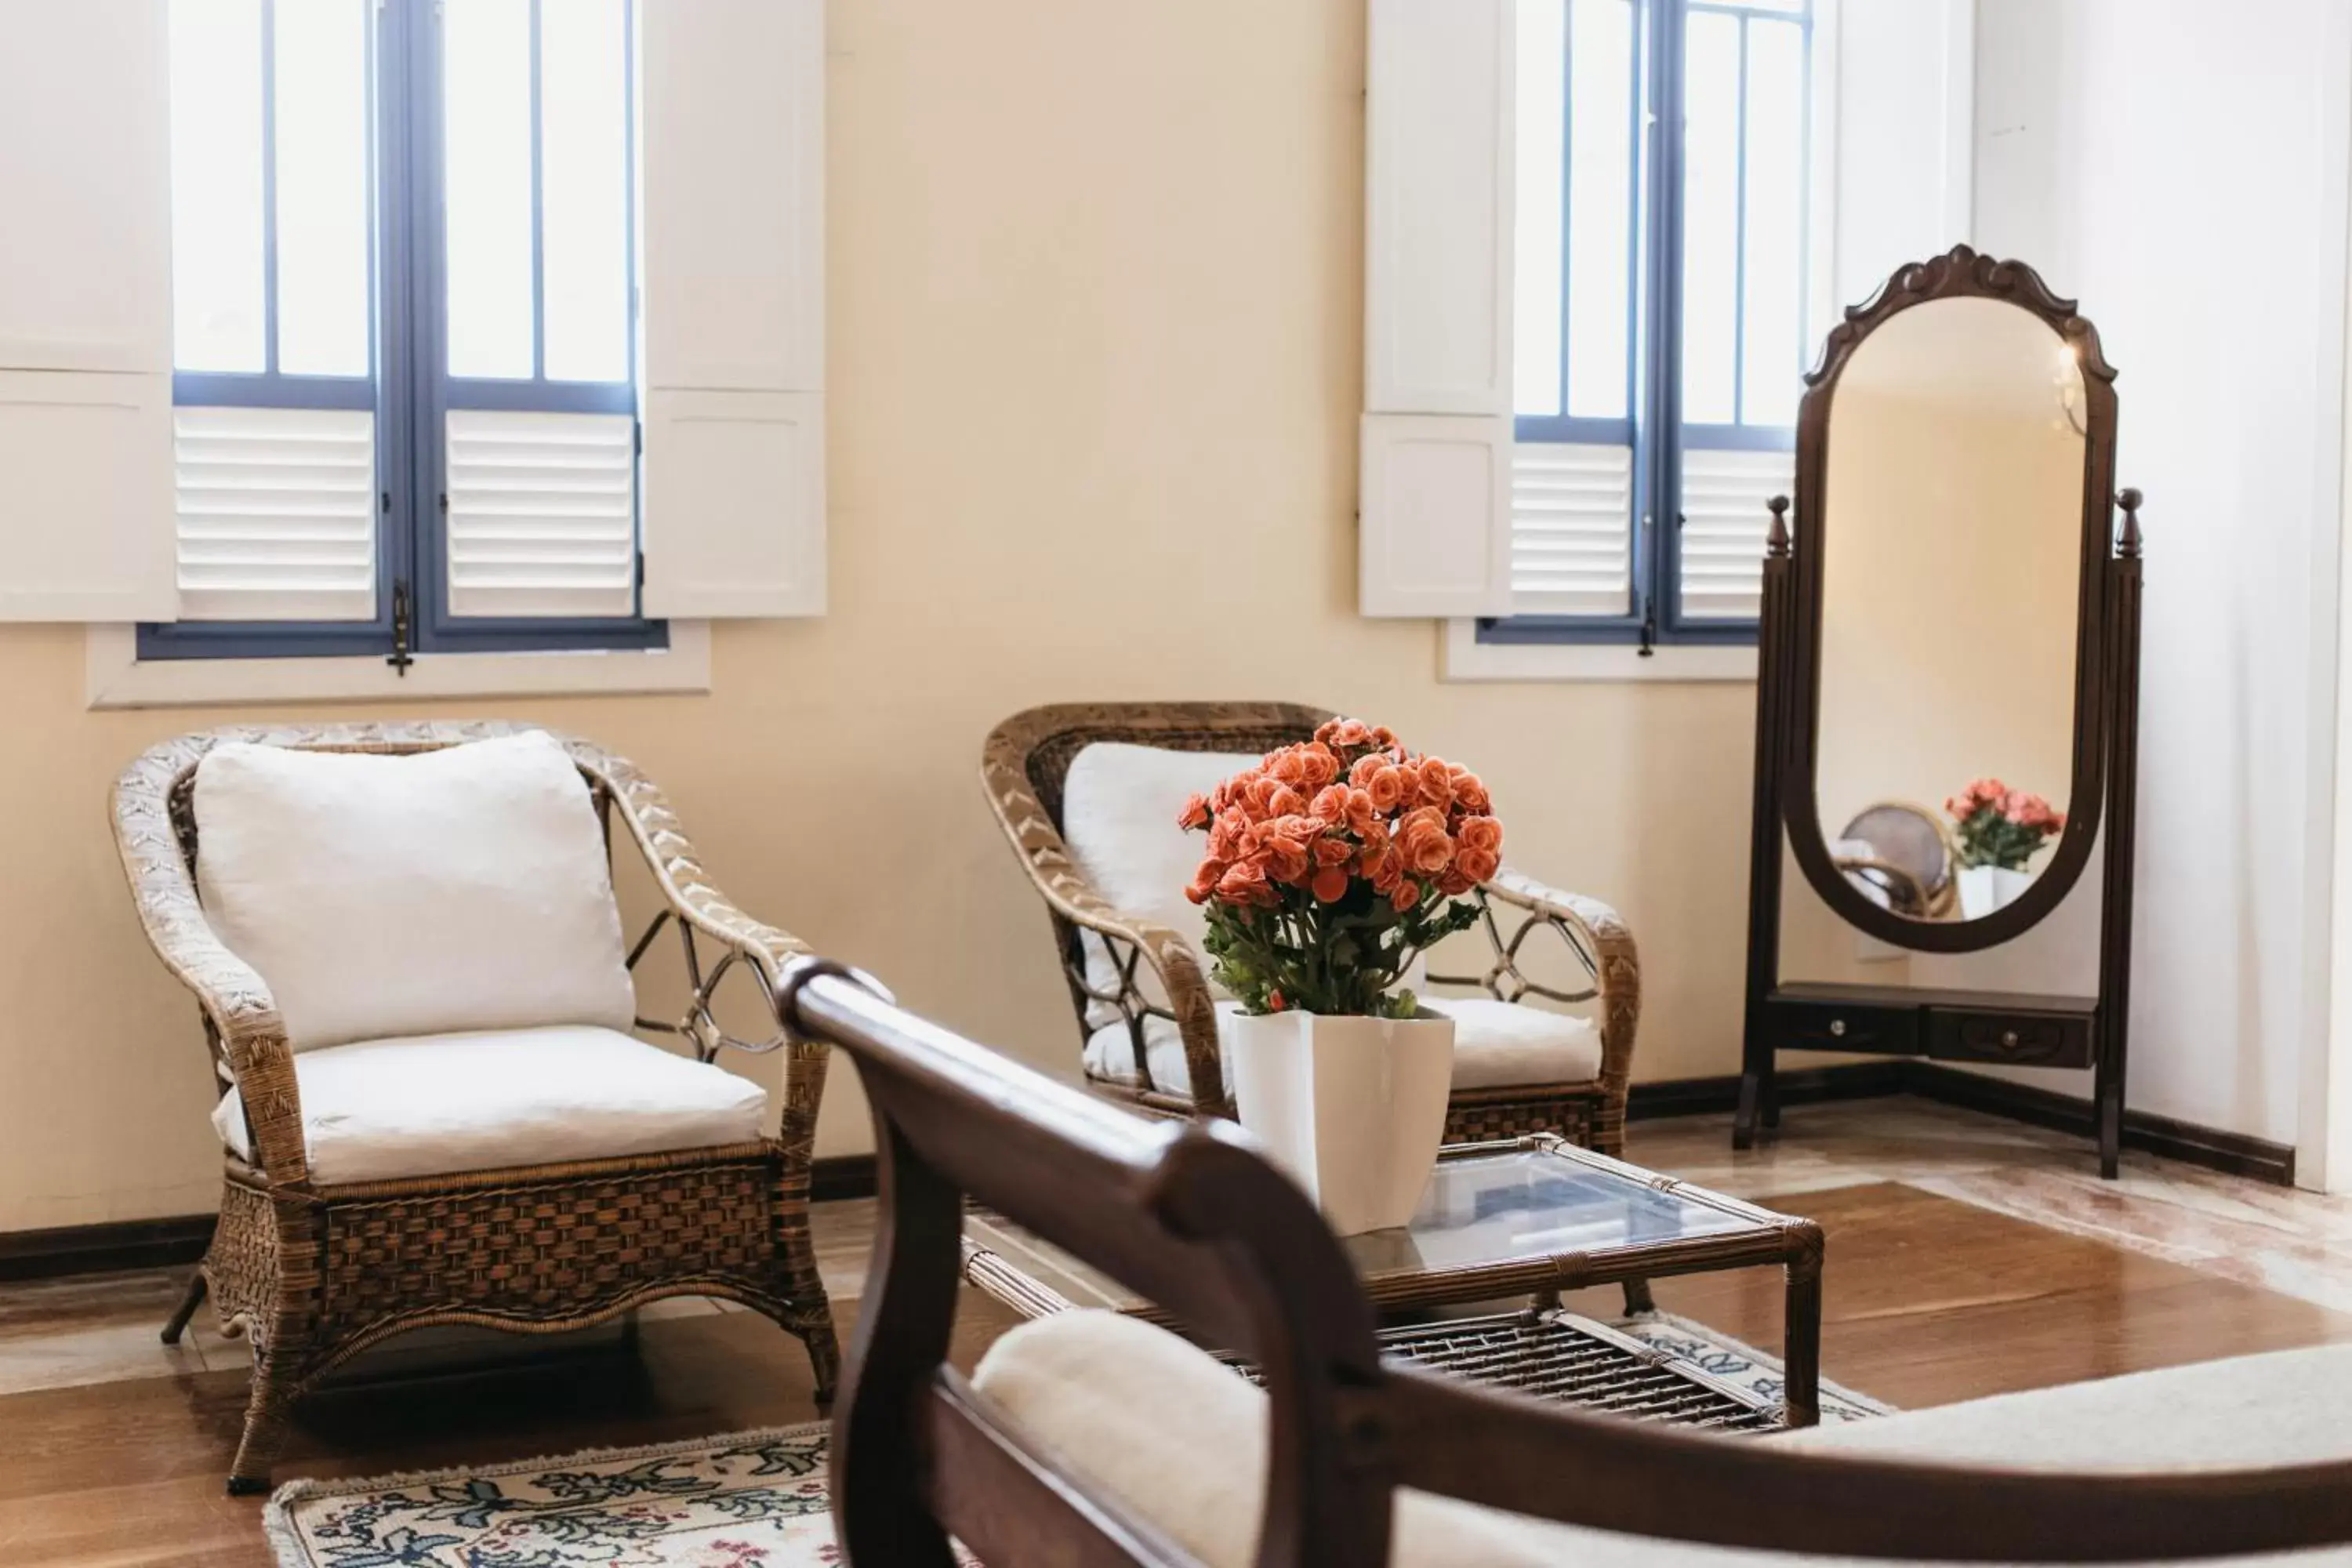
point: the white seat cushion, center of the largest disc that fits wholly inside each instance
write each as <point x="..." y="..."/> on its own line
<point x="1119" y="816"/>
<point x="459" y="889"/>
<point x="442" y="1104"/>
<point x="1496" y="1045"/>
<point x="1180" y="1438"/>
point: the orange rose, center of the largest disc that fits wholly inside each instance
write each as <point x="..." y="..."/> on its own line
<point x="1226" y="835"/>
<point x="1284" y="842"/>
<point x="1288" y="764"/>
<point x="1360" y="775"/>
<point x="1195" y="813"/>
<point x="1361" y="817"/>
<point x="1329" y="804"/>
<point x="1330" y="885"/>
<point x="1346" y="734"/>
<point x="1470" y="792"/>
<point x="1318" y="764"/>
<point x="1456" y="881"/>
<point x="1388" y="873"/>
<point x="1243" y="882"/>
<point x="1421" y="837"/>
<point x="1269" y="797"/>
<point x="1384" y="737"/>
<point x="1434" y="783"/>
<point x="1478" y="865"/>
<point x="1387" y="788"/>
<point x="1407" y="894"/>
<point x="1330" y="851"/>
<point x="1480" y="833"/>
<point x="1204" y="880"/>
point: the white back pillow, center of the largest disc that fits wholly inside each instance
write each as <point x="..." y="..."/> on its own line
<point x="1119" y="816"/>
<point x="385" y="896"/>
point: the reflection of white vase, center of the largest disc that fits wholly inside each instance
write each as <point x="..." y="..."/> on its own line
<point x="1353" y="1108"/>
<point x="1984" y="888"/>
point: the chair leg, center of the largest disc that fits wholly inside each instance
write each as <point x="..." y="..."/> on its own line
<point x="1638" y="1299"/>
<point x="193" y="1298"/>
<point x="812" y="1326"/>
<point x="268" y="1415"/>
<point x="824" y="1354"/>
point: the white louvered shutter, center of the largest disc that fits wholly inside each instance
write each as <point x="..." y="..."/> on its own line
<point x="1725" y="518"/>
<point x="734" y="307"/>
<point x="1571" y="530"/>
<point x="275" y="513"/>
<point x="1434" y="498"/>
<point x="85" y="313"/>
<point x="542" y="515"/>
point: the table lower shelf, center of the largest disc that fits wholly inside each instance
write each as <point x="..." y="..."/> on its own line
<point x="1570" y="1360"/>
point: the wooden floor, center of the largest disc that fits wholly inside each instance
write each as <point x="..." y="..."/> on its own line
<point x="1927" y="1300"/>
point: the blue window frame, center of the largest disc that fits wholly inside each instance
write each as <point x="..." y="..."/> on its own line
<point x="411" y="209"/>
<point x="1662" y="287"/>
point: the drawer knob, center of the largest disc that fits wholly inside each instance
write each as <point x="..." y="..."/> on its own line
<point x="1837" y="1028"/>
<point x="2009" y="1039"/>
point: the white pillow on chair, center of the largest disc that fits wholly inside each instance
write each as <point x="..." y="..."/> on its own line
<point x="443" y="891"/>
<point x="1119" y="816"/>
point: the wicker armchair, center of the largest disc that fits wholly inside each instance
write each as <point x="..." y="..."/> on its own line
<point x="1024" y="768"/>
<point x="312" y="1273"/>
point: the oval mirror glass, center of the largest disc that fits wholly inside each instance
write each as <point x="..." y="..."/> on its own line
<point x="1951" y="539"/>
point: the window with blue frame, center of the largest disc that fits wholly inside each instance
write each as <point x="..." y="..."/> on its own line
<point x="1662" y="277"/>
<point x="405" y="328"/>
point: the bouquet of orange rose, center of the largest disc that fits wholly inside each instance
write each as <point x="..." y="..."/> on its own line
<point x="1335" y="863"/>
<point x="2002" y="826"/>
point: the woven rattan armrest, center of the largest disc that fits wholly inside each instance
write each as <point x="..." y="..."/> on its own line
<point x="691" y="898"/>
<point x="1072" y="895"/>
<point x="1602" y="934"/>
<point x="239" y="1011"/>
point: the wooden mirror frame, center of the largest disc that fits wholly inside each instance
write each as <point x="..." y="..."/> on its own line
<point x="1963" y="273"/>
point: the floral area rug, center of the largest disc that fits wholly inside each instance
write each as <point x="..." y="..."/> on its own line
<point x="1741" y="1365"/>
<point x="747" y="1499"/>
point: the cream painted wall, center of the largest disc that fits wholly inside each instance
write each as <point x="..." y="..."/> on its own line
<point x="1095" y="360"/>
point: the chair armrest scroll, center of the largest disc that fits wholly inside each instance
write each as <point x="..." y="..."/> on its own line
<point x="698" y="905"/>
<point x="1616" y="964"/>
<point x="1067" y="891"/>
<point x="235" y="998"/>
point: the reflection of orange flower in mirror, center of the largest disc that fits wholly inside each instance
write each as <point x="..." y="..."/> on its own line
<point x="1998" y="826"/>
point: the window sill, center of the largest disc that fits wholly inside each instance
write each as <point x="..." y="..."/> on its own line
<point x="115" y="677"/>
<point x="1461" y="656"/>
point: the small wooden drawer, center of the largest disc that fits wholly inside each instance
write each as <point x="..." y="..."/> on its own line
<point x="1825" y="1026"/>
<point x="2034" y="1039"/>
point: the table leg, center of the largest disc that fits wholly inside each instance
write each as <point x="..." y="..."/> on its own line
<point x="1800" y="1350"/>
<point x="1638" y="1299"/>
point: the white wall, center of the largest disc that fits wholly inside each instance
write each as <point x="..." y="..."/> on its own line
<point x="2178" y="165"/>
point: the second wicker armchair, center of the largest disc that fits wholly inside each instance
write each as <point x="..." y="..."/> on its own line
<point x="1146" y="1013"/>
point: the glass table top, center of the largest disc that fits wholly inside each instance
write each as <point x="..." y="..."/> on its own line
<point x="1529" y="1204"/>
<point x="1499" y="1210"/>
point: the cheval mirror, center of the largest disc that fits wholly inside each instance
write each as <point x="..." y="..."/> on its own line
<point x="1946" y="699"/>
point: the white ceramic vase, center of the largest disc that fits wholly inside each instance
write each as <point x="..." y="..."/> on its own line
<point x="1984" y="888"/>
<point x="1353" y="1108"/>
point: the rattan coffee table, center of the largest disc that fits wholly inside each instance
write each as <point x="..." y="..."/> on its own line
<point x="1528" y="1218"/>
